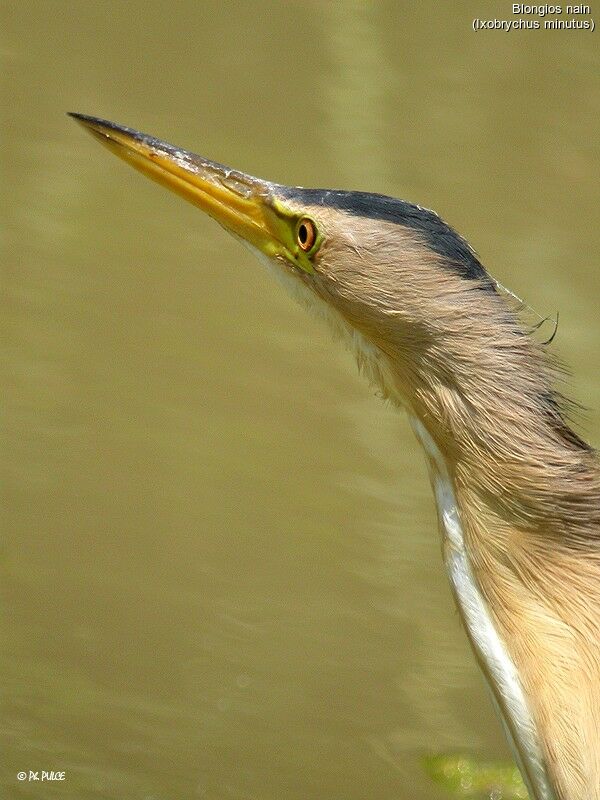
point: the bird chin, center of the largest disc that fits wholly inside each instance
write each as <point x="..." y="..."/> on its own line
<point x="371" y="360"/>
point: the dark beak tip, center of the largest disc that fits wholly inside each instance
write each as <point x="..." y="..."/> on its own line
<point x="104" y="127"/>
<point x="82" y="117"/>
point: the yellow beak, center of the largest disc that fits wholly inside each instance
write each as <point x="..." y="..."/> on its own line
<point x="239" y="202"/>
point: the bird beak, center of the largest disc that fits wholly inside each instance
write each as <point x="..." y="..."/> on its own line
<point x="240" y="203"/>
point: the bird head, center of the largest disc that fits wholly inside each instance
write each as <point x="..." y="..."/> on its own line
<point x="391" y="276"/>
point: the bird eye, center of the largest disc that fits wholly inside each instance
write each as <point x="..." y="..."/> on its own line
<point x="306" y="233"/>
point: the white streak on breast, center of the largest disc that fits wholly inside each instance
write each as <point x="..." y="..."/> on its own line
<point x="508" y="696"/>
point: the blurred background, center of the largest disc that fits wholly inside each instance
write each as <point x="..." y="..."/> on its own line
<point x="221" y="569"/>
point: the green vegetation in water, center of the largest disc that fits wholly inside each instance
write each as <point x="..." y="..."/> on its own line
<point x="465" y="777"/>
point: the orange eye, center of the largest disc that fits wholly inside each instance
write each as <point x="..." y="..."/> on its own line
<point x="306" y="233"/>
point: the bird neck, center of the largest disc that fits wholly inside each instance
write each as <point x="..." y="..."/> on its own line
<point x="519" y="512"/>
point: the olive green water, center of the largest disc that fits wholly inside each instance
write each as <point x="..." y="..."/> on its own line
<point x="221" y="571"/>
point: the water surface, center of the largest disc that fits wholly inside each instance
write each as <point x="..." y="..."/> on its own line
<point x="221" y="571"/>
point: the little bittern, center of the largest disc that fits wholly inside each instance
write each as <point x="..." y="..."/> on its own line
<point x="517" y="490"/>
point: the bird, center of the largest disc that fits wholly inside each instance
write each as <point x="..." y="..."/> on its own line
<point x="517" y="490"/>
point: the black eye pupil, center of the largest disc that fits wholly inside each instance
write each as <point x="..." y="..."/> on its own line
<point x="303" y="234"/>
